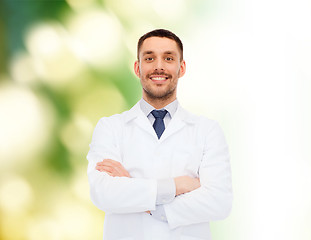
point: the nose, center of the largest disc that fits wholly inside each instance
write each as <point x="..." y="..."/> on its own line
<point x="159" y="66"/>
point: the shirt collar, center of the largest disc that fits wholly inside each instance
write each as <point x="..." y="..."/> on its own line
<point x="147" y="108"/>
<point x="180" y="113"/>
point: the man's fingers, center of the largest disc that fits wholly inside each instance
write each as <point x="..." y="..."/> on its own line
<point x="122" y="171"/>
<point x="109" y="162"/>
<point x="186" y="184"/>
<point x="125" y="173"/>
<point x="104" y="169"/>
<point x="115" y="168"/>
<point x="112" y="166"/>
<point x="198" y="184"/>
<point x="116" y="165"/>
<point x="111" y="171"/>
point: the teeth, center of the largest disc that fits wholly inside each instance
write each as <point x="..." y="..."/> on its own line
<point x="158" y="78"/>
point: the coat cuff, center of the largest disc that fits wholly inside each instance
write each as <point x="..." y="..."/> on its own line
<point x="166" y="191"/>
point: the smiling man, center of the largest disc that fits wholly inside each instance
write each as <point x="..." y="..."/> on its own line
<point x="160" y="63"/>
<point x="158" y="171"/>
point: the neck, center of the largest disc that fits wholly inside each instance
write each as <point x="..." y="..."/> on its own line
<point x="159" y="103"/>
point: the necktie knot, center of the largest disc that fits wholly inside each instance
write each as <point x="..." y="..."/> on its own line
<point x="159" y="113"/>
<point x="158" y="124"/>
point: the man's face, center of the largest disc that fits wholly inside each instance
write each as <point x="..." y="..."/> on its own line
<point x="159" y="67"/>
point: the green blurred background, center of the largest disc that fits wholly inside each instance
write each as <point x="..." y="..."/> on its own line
<point x="65" y="64"/>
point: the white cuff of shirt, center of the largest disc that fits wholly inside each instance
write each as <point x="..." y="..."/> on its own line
<point x="159" y="213"/>
<point x="166" y="191"/>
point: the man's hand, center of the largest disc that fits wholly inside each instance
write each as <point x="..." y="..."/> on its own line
<point x="186" y="184"/>
<point x="113" y="168"/>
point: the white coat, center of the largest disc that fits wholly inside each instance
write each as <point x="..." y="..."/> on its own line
<point x="190" y="145"/>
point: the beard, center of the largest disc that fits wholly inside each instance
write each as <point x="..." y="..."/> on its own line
<point x="159" y="94"/>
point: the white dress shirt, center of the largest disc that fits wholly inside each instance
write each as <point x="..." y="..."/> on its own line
<point x="166" y="189"/>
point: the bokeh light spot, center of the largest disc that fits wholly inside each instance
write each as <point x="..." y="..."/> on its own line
<point x="15" y="194"/>
<point x="76" y="134"/>
<point x="43" y="228"/>
<point x="97" y="35"/>
<point x="53" y="53"/>
<point x="24" y="125"/>
<point x="22" y="68"/>
<point x="98" y="102"/>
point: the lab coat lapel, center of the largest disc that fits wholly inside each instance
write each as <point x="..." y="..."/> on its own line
<point x="180" y="119"/>
<point x="140" y="119"/>
<point x="143" y="122"/>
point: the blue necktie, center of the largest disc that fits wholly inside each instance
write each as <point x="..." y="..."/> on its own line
<point x="158" y="124"/>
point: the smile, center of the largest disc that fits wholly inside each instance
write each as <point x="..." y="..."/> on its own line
<point x="158" y="78"/>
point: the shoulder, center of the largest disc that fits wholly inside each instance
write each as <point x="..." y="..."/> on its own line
<point x="200" y="121"/>
<point x="119" y="120"/>
<point x="113" y="120"/>
<point x="208" y="130"/>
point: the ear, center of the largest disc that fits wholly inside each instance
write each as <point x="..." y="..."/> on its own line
<point x="182" y="68"/>
<point x="136" y="68"/>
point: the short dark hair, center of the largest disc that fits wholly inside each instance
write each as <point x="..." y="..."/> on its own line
<point x="160" y="33"/>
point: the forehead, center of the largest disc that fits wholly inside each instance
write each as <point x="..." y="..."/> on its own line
<point x="159" y="45"/>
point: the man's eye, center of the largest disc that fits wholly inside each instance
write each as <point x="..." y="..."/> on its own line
<point x="149" y="59"/>
<point x="169" y="59"/>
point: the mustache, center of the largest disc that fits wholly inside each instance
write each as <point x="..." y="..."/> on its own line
<point x="159" y="73"/>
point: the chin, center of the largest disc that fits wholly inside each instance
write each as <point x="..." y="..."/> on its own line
<point x="160" y="95"/>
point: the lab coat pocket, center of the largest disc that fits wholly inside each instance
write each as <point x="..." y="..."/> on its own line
<point x="187" y="160"/>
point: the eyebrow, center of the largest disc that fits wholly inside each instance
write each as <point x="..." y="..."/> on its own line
<point x="170" y="52"/>
<point x="147" y="52"/>
<point x="166" y="52"/>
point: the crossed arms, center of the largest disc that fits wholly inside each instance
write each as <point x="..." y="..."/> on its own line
<point x="113" y="190"/>
<point x="183" y="184"/>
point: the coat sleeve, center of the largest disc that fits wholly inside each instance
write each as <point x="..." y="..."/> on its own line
<point x="116" y="194"/>
<point x="213" y="200"/>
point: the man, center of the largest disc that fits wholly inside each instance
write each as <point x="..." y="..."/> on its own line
<point x="156" y="170"/>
